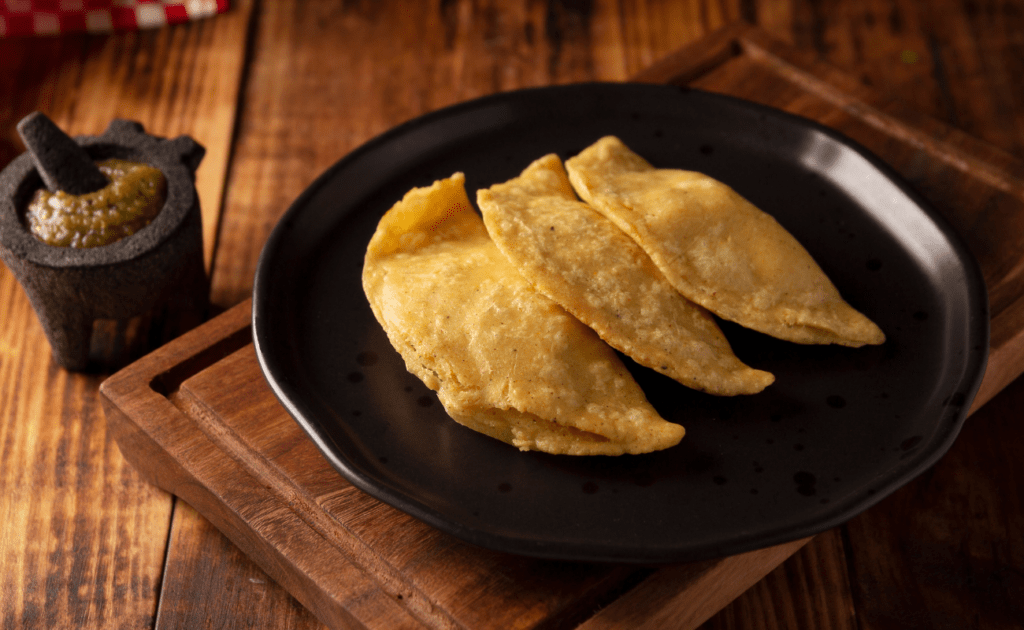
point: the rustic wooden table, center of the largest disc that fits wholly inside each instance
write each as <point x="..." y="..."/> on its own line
<point x="277" y="92"/>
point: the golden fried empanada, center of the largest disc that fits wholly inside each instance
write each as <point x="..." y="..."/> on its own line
<point x="504" y="359"/>
<point x="717" y="249"/>
<point x="582" y="261"/>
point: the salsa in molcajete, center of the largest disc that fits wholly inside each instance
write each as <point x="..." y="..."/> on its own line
<point x="131" y="200"/>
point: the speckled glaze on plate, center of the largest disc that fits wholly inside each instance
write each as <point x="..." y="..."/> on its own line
<point x="839" y="430"/>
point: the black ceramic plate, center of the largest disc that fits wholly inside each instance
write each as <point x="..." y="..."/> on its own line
<point x="838" y="430"/>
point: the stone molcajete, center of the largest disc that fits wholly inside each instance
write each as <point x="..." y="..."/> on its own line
<point x="159" y="268"/>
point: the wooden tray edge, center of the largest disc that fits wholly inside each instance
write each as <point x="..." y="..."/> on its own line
<point x="147" y="389"/>
<point x="157" y="450"/>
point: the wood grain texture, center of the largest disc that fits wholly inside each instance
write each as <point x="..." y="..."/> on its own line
<point x="169" y="451"/>
<point x="685" y="596"/>
<point x="945" y="550"/>
<point x="84" y="537"/>
<point x="958" y="61"/>
<point x="810" y="590"/>
<point x="202" y="564"/>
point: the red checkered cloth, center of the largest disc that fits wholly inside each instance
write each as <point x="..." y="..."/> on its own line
<point x="54" y="17"/>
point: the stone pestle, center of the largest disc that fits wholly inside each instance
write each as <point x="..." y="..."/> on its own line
<point x="60" y="161"/>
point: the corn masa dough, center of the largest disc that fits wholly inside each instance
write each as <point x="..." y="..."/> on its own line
<point x="503" y="359"/>
<point x="581" y="260"/>
<point x="718" y="249"/>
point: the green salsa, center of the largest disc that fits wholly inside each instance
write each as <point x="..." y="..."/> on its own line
<point x="131" y="200"/>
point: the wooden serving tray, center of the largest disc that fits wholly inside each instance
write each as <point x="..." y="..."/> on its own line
<point x="197" y="418"/>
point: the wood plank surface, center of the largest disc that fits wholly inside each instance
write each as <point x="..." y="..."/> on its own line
<point x="96" y="534"/>
<point x="216" y="565"/>
<point x="960" y="555"/>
